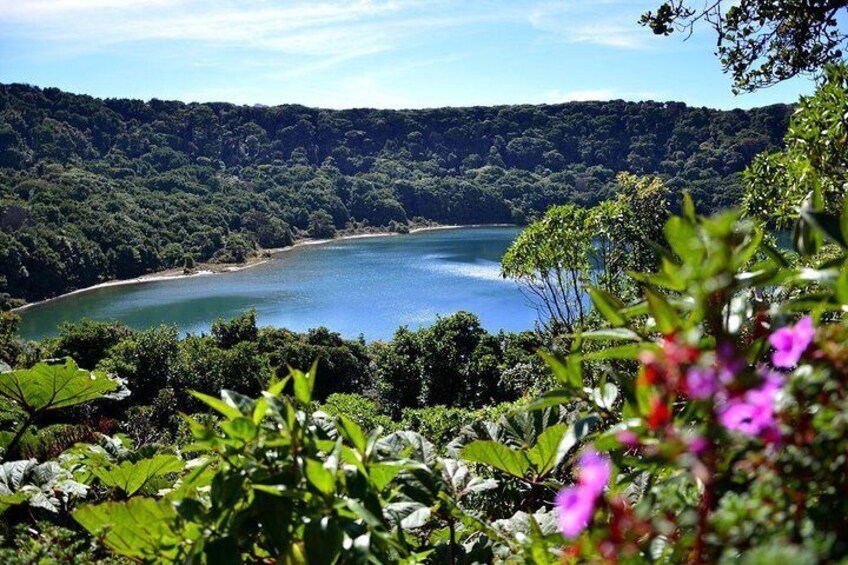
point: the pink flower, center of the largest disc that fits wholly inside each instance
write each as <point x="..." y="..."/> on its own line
<point x="753" y="413"/>
<point x="593" y="471"/>
<point x="701" y="382"/>
<point x="699" y="445"/>
<point x="728" y="363"/>
<point x="575" y="506"/>
<point x="628" y="439"/>
<point x="790" y="343"/>
<point x="704" y="381"/>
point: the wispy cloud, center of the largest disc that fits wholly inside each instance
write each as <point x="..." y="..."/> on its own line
<point x="298" y="27"/>
<point x="341" y="53"/>
<point x="610" y="23"/>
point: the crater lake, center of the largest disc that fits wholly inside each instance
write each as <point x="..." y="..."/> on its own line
<point x="365" y="286"/>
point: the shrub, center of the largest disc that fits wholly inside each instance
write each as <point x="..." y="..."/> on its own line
<point x="361" y="410"/>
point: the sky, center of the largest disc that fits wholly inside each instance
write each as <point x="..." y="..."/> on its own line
<point x="364" y="53"/>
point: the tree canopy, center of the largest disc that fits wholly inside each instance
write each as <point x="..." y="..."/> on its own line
<point x="761" y="42"/>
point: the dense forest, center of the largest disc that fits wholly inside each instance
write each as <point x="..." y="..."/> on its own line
<point x="95" y="189"/>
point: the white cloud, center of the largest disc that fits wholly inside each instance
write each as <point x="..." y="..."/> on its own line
<point x="612" y="23"/>
<point x="299" y="27"/>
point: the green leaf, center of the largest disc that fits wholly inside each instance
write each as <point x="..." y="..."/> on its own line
<point x="629" y="351"/>
<point x="688" y="206"/>
<point x="804" y="238"/>
<point x="54" y="384"/>
<point x="218" y="405"/>
<point x="383" y="473"/>
<point x="608" y="305"/>
<point x="539" y="552"/>
<point x="9" y="500"/>
<point x="664" y="315"/>
<point x="611" y="334"/>
<point x="828" y="224"/>
<point x="409" y="514"/>
<point x="351" y="431"/>
<point x="683" y="239"/>
<point x="130" y="477"/>
<point x="579" y="430"/>
<point x="304" y="383"/>
<point x="321" y="478"/>
<point x="544" y="455"/>
<point x="139" y="528"/>
<point x="605" y="395"/>
<point x="556" y="397"/>
<point x="842" y="287"/>
<point x="240" y="428"/>
<point x="460" y="481"/>
<point x="569" y="372"/>
<point x="498" y="456"/>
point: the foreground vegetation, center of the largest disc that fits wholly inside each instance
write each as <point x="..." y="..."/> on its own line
<point x="706" y="426"/>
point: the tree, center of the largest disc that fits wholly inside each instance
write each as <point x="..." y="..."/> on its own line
<point x="459" y="363"/>
<point x="321" y="225"/>
<point x="87" y="341"/>
<point x="551" y="261"/>
<point x="761" y="42"/>
<point x="814" y="161"/>
<point x="230" y="333"/>
<point x="237" y="249"/>
<point x="397" y="376"/>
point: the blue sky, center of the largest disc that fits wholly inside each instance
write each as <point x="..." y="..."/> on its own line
<point x="356" y="53"/>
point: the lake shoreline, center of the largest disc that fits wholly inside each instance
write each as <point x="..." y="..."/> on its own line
<point x="265" y="255"/>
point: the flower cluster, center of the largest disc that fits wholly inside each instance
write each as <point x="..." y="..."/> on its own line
<point x="576" y="504"/>
<point x="714" y="376"/>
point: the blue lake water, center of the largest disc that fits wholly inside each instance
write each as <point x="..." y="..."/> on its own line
<point x="367" y="286"/>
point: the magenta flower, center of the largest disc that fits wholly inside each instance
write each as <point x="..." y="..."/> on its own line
<point x="593" y="471"/>
<point x="699" y="445"/>
<point x="728" y="364"/>
<point x="701" y="382"/>
<point x="753" y="413"/>
<point x="790" y="343"/>
<point x="628" y="439"/>
<point x="576" y="504"/>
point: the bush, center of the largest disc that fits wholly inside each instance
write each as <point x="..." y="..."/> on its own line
<point x="88" y="341"/>
<point x="361" y="410"/>
<point x="439" y="424"/>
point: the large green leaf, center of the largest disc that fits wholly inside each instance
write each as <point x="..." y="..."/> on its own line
<point x="54" y="384"/>
<point x="498" y="456"/>
<point x="139" y="528"/>
<point x="544" y="455"/>
<point x="408" y="444"/>
<point x="130" y="477"/>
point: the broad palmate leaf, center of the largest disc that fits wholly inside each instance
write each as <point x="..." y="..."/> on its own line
<point x="54" y="384"/>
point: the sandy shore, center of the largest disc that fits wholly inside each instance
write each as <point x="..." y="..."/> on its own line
<point x="264" y="256"/>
